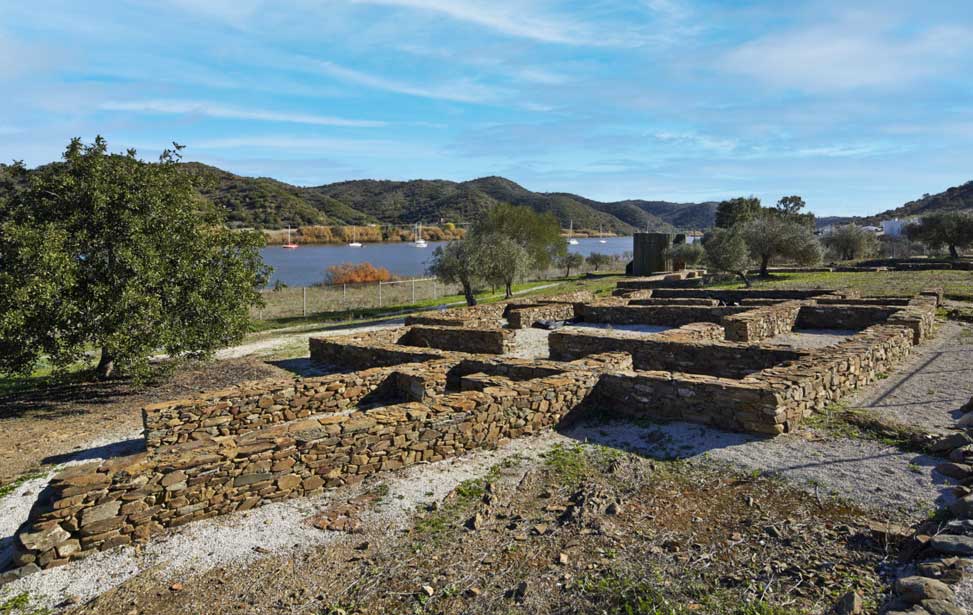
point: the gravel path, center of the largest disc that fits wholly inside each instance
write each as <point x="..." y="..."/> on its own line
<point x="869" y="473"/>
<point x="270" y="344"/>
<point x="930" y="388"/>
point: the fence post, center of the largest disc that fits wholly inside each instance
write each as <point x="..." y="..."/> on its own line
<point x="379" y="294"/>
<point x="344" y="294"/>
<point x="413" y="290"/>
<point x="304" y="302"/>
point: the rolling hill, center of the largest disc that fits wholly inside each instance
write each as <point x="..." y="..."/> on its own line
<point x="957" y="198"/>
<point x="268" y="203"/>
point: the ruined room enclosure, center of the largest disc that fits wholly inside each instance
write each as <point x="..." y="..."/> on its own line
<point x="433" y="389"/>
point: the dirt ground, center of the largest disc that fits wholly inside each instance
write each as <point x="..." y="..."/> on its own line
<point x="44" y="429"/>
<point x="582" y="529"/>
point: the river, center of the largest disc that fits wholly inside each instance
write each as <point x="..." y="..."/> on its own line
<point x="307" y="264"/>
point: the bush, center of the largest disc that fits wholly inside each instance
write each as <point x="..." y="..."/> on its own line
<point x="352" y="273"/>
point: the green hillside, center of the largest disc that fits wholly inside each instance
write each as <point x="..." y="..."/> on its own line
<point x="263" y="202"/>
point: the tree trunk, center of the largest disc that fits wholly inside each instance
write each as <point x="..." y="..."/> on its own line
<point x="567" y="272"/>
<point x="106" y="365"/>
<point x="508" y="290"/>
<point x="764" y="262"/>
<point x="468" y="293"/>
<point x="743" y="276"/>
<point x="953" y="252"/>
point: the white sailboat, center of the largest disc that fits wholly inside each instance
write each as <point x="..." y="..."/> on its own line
<point x="354" y="239"/>
<point x="601" y="234"/>
<point x="571" y="240"/>
<point x="420" y="242"/>
<point x="290" y="245"/>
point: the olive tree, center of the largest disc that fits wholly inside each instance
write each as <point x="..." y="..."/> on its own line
<point x="687" y="254"/>
<point x="850" y="241"/>
<point x="952" y="229"/>
<point x="597" y="260"/>
<point x="770" y="236"/>
<point x="112" y="253"/>
<point x="455" y="263"/>
<point x="570" y="261"/>
<point x="727" y="252"/>
<point x="501" y="260"/>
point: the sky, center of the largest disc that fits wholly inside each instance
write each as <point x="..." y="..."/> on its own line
<point x="858" y="106"/>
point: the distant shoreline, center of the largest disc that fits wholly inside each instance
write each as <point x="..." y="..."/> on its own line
<point x="341" y="235"/>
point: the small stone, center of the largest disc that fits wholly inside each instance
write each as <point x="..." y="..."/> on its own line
<point x="952" y="545"/>
<point x="948" y="443"/>
<point x="428" y="590"/>
<point x="941" y="607"/>
<point x="849" y="604"/>
<point x="176" y="587"/>
<point x="917" y="589"/>
<point x="473" y="591"/>
<point x="562" y="558"/>
<point x="475" y="522"/>
<point x="963" y="507"/>
<point x="959" y="471"/>
<point x="540" y="529"/>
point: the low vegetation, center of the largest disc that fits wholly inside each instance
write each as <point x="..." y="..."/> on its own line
<point x="360" y="273"/>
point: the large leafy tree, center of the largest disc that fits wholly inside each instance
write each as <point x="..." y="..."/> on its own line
<point x="733" y="211"/>
<point x="770" y="236"/>
<point x="952" y="229"/>
<point x="109" y="253"/>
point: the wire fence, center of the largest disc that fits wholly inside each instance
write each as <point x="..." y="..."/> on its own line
<point x="303" y="301"/>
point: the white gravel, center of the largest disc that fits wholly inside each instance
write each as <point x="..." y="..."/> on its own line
<point x="276" y="528"/>
<point x="810" y="338"/>
<point x="869" y="473"/>
<point x="928" y="390"/>
<point x="15" y="506"/>
<point x="635" y="329"/>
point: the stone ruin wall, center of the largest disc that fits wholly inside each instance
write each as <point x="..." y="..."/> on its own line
<point x="242" y="447"/>
<point x="611" y="312"/>
<point x="762" y="322"/>
<point x="98" y="506"/>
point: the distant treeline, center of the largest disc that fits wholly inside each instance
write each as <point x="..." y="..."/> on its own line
<point x="363" y="234"/>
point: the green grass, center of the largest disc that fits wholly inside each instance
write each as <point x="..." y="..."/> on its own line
<point x="956" y="284"/>
<point x="364" y="315"/>
<point x="7" y="489"/>
<point x="617" y="595"/>
<point x="43" y="375"/>
<point x="860" y="424"/>
<point x="21" y="605"/>
<point x="571" y="464"/>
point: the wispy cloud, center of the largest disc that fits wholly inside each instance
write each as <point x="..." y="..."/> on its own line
<point x="849" y="54"/>
<point x="464" y="90"/>
<point x="510" y="18"/>
<point x="320" y="145"/>
<point x="216" y="110"/>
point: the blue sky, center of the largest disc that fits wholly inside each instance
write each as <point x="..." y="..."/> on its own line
<point x="858" y="106"/>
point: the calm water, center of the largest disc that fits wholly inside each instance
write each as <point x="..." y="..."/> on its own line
<point x="307" y="264"/>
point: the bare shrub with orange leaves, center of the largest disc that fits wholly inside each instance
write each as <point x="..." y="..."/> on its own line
<point x="356" y="273"/>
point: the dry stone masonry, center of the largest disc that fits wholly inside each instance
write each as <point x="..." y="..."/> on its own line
<point x="446" y="383"/>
